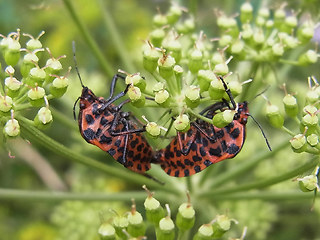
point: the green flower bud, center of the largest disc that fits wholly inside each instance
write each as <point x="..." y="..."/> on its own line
<point x="54" y="67"/>
<point x="162" y="97"/>
<point x="205" y="232"/>
<point x="136" y="226"/>
<point x="204" y="79"/>
<point x="159" y="86"/>
<point x="291" y="21"/>
<point x="246" y="11"/>
<point x="120" y="223"/>
<point x="34" y="43"/>
<point x="107" y="232"/>
<point x="309" y="57"/>
<point x="150" y="59"/>
<point x="36" y="96"/>
<point x="277" y="49"/>
<point x="43" y="119"/>
<point x="260" y="21"/>
<point x="235" y="88"/>
<point x="136" y="97"/>
<point x="28" y="63"/>
<point x="195" y="60"/>
<point x="259" y="38"/>
<point x="160" y="20"/>
<point x="182" y="123"/>
<point x="221" y="69"/>
<point x="59" y="86"/>
<point x="178" y="71"/>
<point x="309" y="109"/>
<point x="156" y="37"/>
<point x="217" y="58"/>
<point x="290" y="42"/>
<point x="225" y="40"/>
<point x="274" y="116"/>
<point x="166" y="64"/>
<point x="269" y="24"/>
<point x="154" y="211"/>
<point x="166" y="229"/>
<point x="312" y="96"/>
<point x="264" y="12"/>
<point x="308" y="183"/>
<point x="310" y="120"/>
<point x="290" y="105"/>
<point x="12" y="54"/>
<point x="4" y="43"/>
<point x="247" y="32"/>
<point x="9" y="71"/>
<point x="153" y="129"/>
<point x="298" y="143"/>
<point x="136" y="80"/>
<point x="192" y="96"/>
<point x="36" y="77"/>
<point x="306" y="32"/>
<point x="174" y="14"/>
<point x="11" y="128"/>
<point x="313" y="139"/>
<point x="237" y="48"/>
<point x="174" y="47"/>
<point x="6" y="104"/>
<point x="224" y="118"/>
<point x="216" y="89"/>
<point x="189" y="25"/>
<point x="185" y="217"/>
<point x="12" y="86"/>
<point x="221" y="226"/>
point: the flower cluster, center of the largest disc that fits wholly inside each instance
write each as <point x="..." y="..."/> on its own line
<point x="306" y="137"/>
<point x="266" y="37"/>
<point x="132" y="225"/>
<point x="182" y="73"/>
<point x="27" y="84"/>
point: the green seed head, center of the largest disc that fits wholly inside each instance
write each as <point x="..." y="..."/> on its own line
<point x="290" y="105"/>
<point x="291" y="21"/>
<point x="221" y="69"/>
<point x="134" y="93"/>
<point x="107" y="232"/>
<point x="161" y="96"/>
<point x="6" y="103"/>
<point x="235" y="88"/>
<point x="166" y="224"/>
<point x="309" y="57"/>
<point x="185" y="217"/>
<point x="204" y="79"/>
<point x="12" y="54"/>
<point x="310" y="120"/>
<point x="274" y="116"/>
<point x="193" y="93"/>
<point x="136" y="80"/>
<point x="36" y="93"/>
<point x="12" y="83"/>
<point x="158" y="87"/>
<point x="308" y="183"/>
<point x="312" y="96"/>
<point x="298" y="143"/>
<point x="11" y="128"/>
<point x="224" y="118"/>
<point x="310" y="109"/>
<point x="160" y="20"/>
<point x="205" y="232"/>
<point x="154" y="130"/>
<point x="166" y="64"/>
<point x="44" y="115"/>
<point x="182" y="123"/>
<point x="195" y="60"/>
<point x="216" y="89"/>
<point x="156" y="37"/>
<point x="313" y="139"/>
<point x="217" y="58"/>
<point x="150" y="59"/>
<point x="174" y="14"/>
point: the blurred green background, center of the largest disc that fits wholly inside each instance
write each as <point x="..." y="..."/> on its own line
<point x="28" y="220"/>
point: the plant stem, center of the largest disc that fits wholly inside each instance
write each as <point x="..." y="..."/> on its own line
<point x="265" y="182"/>
<point x="107" y="68"/>
<point x="244" y="167"/>
<point x="29" y="131"/>
<point x="49" y="196"/>
<point x="116" y="38"/>
<point x="267" y="196"/>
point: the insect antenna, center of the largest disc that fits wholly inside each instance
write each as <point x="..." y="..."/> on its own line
<point x="75" y="62"/>
<point x="264" y="135"/>
<point x="228" y="91"/>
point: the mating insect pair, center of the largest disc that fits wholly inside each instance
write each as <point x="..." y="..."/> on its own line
<point x="103" y="124"/>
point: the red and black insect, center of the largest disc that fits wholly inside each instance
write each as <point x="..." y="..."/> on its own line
<point x="103" y="124"/>
<point x="204" y="144"/>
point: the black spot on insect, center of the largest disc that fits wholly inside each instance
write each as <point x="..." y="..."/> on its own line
<point x="178" y="153"/>
<point x="235" y="133"/>
<point x="104" y="121"/>
<point x="224" y="145"/>
<point x="202" y="151"/>
<point x="196" y="158"/>
<point x="130" y="154"/>
<point x="233" y="149"/>
<point x="176" y="174"/>
<point x="88" y="134"/>
<point x="139" y="166"/>
<point x="186" y="172"/>
<point x="194" y="147"/>
<point x="89" y="119"/>
<point x="134" y="143"/>
<point x="111" y="151"/>
<point x="169" y="171"/>
<point x="205" y="142"/>
<point x="207" y="163"/>
<point x="220" y="134"/>
<point x="215" y="151"/>
<point x="197" y="169"/>
<point x="117" y="143"/>
<point x="105" y="139"/>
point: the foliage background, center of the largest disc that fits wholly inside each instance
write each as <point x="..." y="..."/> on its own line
<point x="25" y="219"/>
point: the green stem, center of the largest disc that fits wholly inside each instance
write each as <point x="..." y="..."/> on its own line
<point x="20" y="107"/>
<point x="245" y="167"/>
<point x="49" y="196"/>
<point x="116" y="38"/>
<point x="267" y="196"/>
<point x="197" y="115"/>
<point x="263" y="183"/>
<point x="288" y="131"/>
<point x="107" y="68"/>
<point x="32" y="133"/>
